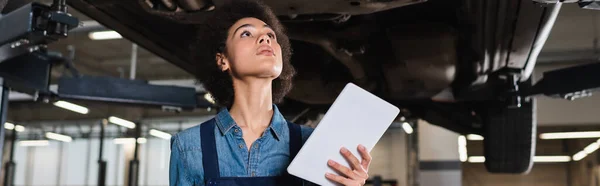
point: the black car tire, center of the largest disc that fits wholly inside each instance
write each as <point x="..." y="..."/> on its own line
<point x="509" y="137"/>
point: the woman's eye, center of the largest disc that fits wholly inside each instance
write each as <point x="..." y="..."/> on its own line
<point x="245" y="34"/>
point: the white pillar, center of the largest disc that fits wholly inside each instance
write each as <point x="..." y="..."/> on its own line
<point x="438" y="156"/>
<point x="129" y="150"/>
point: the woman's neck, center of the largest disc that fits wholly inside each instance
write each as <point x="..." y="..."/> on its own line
<point x="253" y="104"/>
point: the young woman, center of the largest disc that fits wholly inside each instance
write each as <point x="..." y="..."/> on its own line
<point x="243" y="55"/>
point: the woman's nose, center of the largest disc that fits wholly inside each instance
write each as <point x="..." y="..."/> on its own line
<point x="264" y="39"/>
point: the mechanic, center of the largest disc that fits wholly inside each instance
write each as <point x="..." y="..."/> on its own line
<point x="243" y="58"/>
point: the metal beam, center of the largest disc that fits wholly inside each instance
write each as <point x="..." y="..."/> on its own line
<point x="17" y="96"/>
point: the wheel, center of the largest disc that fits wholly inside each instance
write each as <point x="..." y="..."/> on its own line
<point x="509" y="137"/>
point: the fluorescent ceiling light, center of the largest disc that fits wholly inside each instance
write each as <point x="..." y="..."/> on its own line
<point x="551" y="159"/>
<point x="580" y="155"/>
<point x="209" y="98"/>
<point x="538" y="159"/>
<point x="407" y="128"/>
<point x="160" y="134"/>
<point x="474" y="137"/>
<point x="105" y="35"/>
<point x="19" y="128"/>
<point x="462" y="141"/>
<point x="591" y="148"/>
<point x="71" y="107"/>
<point x="58" y="137"/>
<point x="129" y="140"/>
<point x="462" y="154"/>
<point x="570" y="135"/>
<point x="121" y="122"/>
<point x="476" y="159"/>
<point x="34" y="143"/>
<point x="462" y="148"/>
<point x="587" y="150"/>
<point x="10" y="126"/>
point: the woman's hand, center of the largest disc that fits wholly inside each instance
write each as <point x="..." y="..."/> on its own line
<point x="358" y="174"/>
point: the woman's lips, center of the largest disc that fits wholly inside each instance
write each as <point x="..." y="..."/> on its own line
<point x="265" y="50"/>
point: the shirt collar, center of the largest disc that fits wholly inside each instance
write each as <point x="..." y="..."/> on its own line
<point x="225" y="122"/>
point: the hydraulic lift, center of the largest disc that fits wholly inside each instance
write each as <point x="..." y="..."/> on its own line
<point x="25" y="65"/>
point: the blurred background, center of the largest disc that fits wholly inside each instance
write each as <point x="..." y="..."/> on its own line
<point x="59" y="143"/>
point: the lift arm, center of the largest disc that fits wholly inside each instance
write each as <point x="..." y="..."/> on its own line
<point x="568" y="83"/>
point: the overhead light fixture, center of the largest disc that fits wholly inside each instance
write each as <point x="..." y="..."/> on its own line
<point x="11" y="126"/>
<point x="58" y="137"/>
<point x="121" y="122"/>
<point x="19" y="128"/>
<point x="537" y="159"/>
<point x="551" y="159"/>
<point x="474" y="137"/>
<point x="476" y="159"/>
<point x="209" y="98"/>
<point x="105" y="35"/>
<point x="34" y="143"/>
<point x="570" y="135"/>
<point x="407" y="128"/>
<point x="129" y="140"/>
<point x="591" y="148"/>
<point x="160" y="134"/>
<point x="462" y="148"/>
<point x="580" y="155"/>
<point x="71" y="107"/>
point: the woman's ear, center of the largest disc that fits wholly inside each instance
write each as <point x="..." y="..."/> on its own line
<point x="222" y="62"/>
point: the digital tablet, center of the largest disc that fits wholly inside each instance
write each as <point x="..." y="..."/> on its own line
<point x="356" y="117"/>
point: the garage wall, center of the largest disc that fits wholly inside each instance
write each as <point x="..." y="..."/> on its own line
<point x="389" y="157"/>
<point x="38" y="166"/>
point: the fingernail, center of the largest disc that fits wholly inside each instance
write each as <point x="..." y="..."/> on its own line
<point x="344" y="150"/>
<point x="361" y="147"/>
<point x="331" y="162"/>
<point x="328" y="174"/>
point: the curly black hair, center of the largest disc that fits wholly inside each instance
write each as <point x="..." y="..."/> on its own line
<point x="211" y="38"/>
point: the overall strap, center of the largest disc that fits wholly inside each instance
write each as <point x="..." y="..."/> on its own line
<point x="295" y="145"/>
<point x="210" y="158"/>
<point x="295" y="139"/>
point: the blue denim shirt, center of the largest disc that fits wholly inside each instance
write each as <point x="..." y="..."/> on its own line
<point x="269" y="155"/>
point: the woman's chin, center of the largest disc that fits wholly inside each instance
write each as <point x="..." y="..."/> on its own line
<point x="272" y="74"/>
<point x="266" y="74"/>
<point x="271" y="71"/>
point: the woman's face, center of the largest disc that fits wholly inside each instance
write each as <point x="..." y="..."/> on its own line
<point x="251" y="50"/>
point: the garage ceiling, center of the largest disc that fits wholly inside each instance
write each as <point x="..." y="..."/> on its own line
<point x="102" y="58"/>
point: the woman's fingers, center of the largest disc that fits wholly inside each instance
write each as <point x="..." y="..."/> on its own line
<point x="354" y="162"/>
<point x="342" y="169"/>
<point x="366" y="157"/>
<point x="357" y="175"/>
<point x="339" y="179"/>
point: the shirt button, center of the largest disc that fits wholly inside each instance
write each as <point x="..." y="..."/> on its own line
<point x="236" y="130"/>
<point x="256" y="146"/>
<point x="241" y="146"/>
<point x="253" y="173"/>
